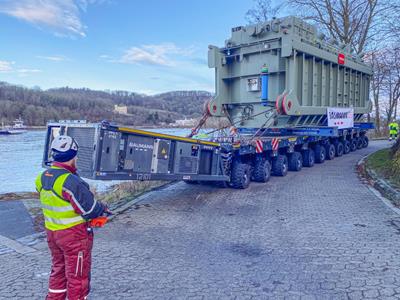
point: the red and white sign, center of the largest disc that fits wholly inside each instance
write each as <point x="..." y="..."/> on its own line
<point x="341" y="59"/>
<point x="259" y="146"/>
<point x="340" y="117"/>
<point x="275" y="144"/>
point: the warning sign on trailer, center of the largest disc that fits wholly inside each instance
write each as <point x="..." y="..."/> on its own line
<point x="340" y="117"/>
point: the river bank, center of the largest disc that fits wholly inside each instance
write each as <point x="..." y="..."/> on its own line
<point x="21" y="161"/>
<point x="18" y="196"/>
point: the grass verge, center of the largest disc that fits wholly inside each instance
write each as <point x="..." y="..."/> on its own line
<point x="382" y="164"/>
<point x="127" y="191"/>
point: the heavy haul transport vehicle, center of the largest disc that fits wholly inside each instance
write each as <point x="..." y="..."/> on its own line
<point x="292" y="99"/>
<point x="283" y="73"/>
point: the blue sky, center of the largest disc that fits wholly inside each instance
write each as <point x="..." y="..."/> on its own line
<point x="148" y="46"/>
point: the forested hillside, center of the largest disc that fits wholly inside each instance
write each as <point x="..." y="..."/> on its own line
<point x="36" y="106"/>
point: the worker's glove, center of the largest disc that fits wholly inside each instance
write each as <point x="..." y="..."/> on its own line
<point x="101" y="220"/>
<point x="98" y="222"/>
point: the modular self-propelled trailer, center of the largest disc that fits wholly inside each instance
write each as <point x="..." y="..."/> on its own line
<point x="111" y="152"/>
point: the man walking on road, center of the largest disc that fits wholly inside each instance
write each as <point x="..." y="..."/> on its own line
<point x="68" y="207"/>
<point x="393" y="130"/>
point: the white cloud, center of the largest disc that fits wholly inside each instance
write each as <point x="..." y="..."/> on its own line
<point x="54" y="57"/>
<point x="162" y="54"/>
<point x="27" y="71"/>
<point x="6" y="66"/>
<point x="61" y="16"/>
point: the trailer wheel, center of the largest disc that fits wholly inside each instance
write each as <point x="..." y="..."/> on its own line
<point x="365" y="141"/>
<point x="320" y="154"/>
<point x="261" y="170"/>
<point x="295" y="161"/>
<point x="240" y="176"/>
<point x="339" y="147"/>
<point x="280" y="165"/>
<point x="346" y="147"/>
<point x="308" y="158"/>
<point x="353" y="145"/>
<point x="359" y="143"/>
<point x="330" y="151"/>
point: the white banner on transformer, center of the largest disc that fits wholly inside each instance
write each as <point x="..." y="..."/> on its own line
<point x="340" y="117"/>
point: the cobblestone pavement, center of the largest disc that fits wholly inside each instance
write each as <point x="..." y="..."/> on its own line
<point x="317" y="234"/>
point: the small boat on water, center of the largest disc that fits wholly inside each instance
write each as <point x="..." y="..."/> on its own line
<point x="17" y="128"/>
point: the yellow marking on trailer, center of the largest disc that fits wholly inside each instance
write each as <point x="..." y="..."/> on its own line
<point x="166" y="136"/>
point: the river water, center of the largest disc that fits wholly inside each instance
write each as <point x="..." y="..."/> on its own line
<point x="21" y="159"/>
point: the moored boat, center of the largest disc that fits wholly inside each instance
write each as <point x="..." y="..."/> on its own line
<point x="17" y="128"/>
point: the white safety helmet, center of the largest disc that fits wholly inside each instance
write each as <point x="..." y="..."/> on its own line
<point x="63" y="143"/>
<point x="64" y="148"/>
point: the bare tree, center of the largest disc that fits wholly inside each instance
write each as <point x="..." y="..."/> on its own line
<point x="380" y="70"/>
<point x="262" y="11"/>
<point x="391" y="83"/>
<point x="385" y="85"/>
<point x="363" y="24"/>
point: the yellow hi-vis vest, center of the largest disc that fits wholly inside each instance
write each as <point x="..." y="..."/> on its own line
<point x="393" y="128"/>
<point x="58" y="212"/>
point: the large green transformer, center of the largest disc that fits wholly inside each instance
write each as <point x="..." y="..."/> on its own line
<point x="305" y="75"/>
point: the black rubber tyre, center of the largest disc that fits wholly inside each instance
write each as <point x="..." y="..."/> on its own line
<point x="320" y="154"/>
<point x="346" y="147"/>
<point x="261" y="171"/>
<point x="353" y="145"/>
<point x="359" y="143"/>
<point x="308" y="158"/>
<point x="295" y="161"/>
<point x="339" y="149"/>
<point x="240" y="175"/>
<point x="365" y="141"/>
<point x="330" y="151"/>
<point x="280" y="165"/>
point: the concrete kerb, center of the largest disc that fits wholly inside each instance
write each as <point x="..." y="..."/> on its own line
<point x="381" y="183"/>
<point x="15" y="245"/>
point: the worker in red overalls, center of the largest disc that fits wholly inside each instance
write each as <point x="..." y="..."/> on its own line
<point x="68" y="208"/>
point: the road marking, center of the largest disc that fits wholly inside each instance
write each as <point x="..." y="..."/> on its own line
<point x="16" y="246"/>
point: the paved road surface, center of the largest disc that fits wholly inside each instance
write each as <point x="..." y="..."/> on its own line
<point x="15" y="221"/>
<point x="318" y="234"/>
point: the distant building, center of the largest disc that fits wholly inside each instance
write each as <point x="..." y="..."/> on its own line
<point x="123" y="109"/>
<point x="185" y="123"/>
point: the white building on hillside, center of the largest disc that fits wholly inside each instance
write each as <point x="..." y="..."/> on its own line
<point x="123" y="109"/>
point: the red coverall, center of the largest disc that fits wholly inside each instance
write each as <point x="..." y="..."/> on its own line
<point x="71" y="248"/>
<point x="71" y="251"/>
